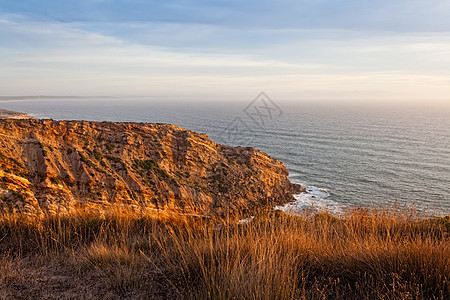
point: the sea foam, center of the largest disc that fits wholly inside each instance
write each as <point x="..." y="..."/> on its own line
<point x="316" y="199"/>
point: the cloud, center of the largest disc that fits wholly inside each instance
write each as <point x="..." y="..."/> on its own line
<point x="211" y="60"/>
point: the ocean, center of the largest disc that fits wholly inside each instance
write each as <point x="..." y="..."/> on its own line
<point x="346" y="155"/>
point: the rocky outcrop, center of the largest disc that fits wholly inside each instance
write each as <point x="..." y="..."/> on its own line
<point x="7" y="114"/>
<point x="49" y="166"/>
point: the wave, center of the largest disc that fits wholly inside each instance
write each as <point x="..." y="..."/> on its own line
<point x="316" y="199"/>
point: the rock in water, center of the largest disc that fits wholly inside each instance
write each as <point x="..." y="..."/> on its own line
<point x="58" y="166"/>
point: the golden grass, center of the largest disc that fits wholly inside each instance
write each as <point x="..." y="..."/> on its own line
<point x="366" y="254"/>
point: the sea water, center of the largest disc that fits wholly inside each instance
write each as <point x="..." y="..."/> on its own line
<point x="345" y="156"/>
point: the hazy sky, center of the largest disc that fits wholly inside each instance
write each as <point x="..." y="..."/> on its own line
<point x="304" y="49"/>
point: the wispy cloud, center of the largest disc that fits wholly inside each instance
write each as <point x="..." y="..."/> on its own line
<point x="319" y="49"/>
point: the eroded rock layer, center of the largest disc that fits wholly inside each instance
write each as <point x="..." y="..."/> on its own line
<point x="50" y="166"/>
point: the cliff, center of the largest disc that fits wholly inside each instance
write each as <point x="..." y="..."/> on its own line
<point x="58" y="166"/>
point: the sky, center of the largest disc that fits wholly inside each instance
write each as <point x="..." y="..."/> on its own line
<point x="347" y="50"/>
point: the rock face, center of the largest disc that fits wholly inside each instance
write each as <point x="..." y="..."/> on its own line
<point x="49" y="166"/>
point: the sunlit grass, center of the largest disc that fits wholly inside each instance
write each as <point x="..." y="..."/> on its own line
<point x="366" y="254"/>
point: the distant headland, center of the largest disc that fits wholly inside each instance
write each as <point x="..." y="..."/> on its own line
<point x="7" y="114"/>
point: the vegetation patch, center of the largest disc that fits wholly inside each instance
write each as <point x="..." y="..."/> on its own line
<point x="114" y="159"/>
<point x="97" y="154"/>
<point x="326" y="217"/>
<point x="152" y="166"/>
<point x="89" y="162"/>
<point x="266" y="215"/>
<point x="443" y="222"/>
<point x="55" y="180"/>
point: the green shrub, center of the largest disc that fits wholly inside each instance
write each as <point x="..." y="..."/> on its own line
<point x="97" y="154"/>
<point x="113" y="158"/>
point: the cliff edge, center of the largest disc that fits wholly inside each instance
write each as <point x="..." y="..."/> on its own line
<point x="58" y="166"/>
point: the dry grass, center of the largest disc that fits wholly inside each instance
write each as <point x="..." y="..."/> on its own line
<point x="367" y="254"/>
